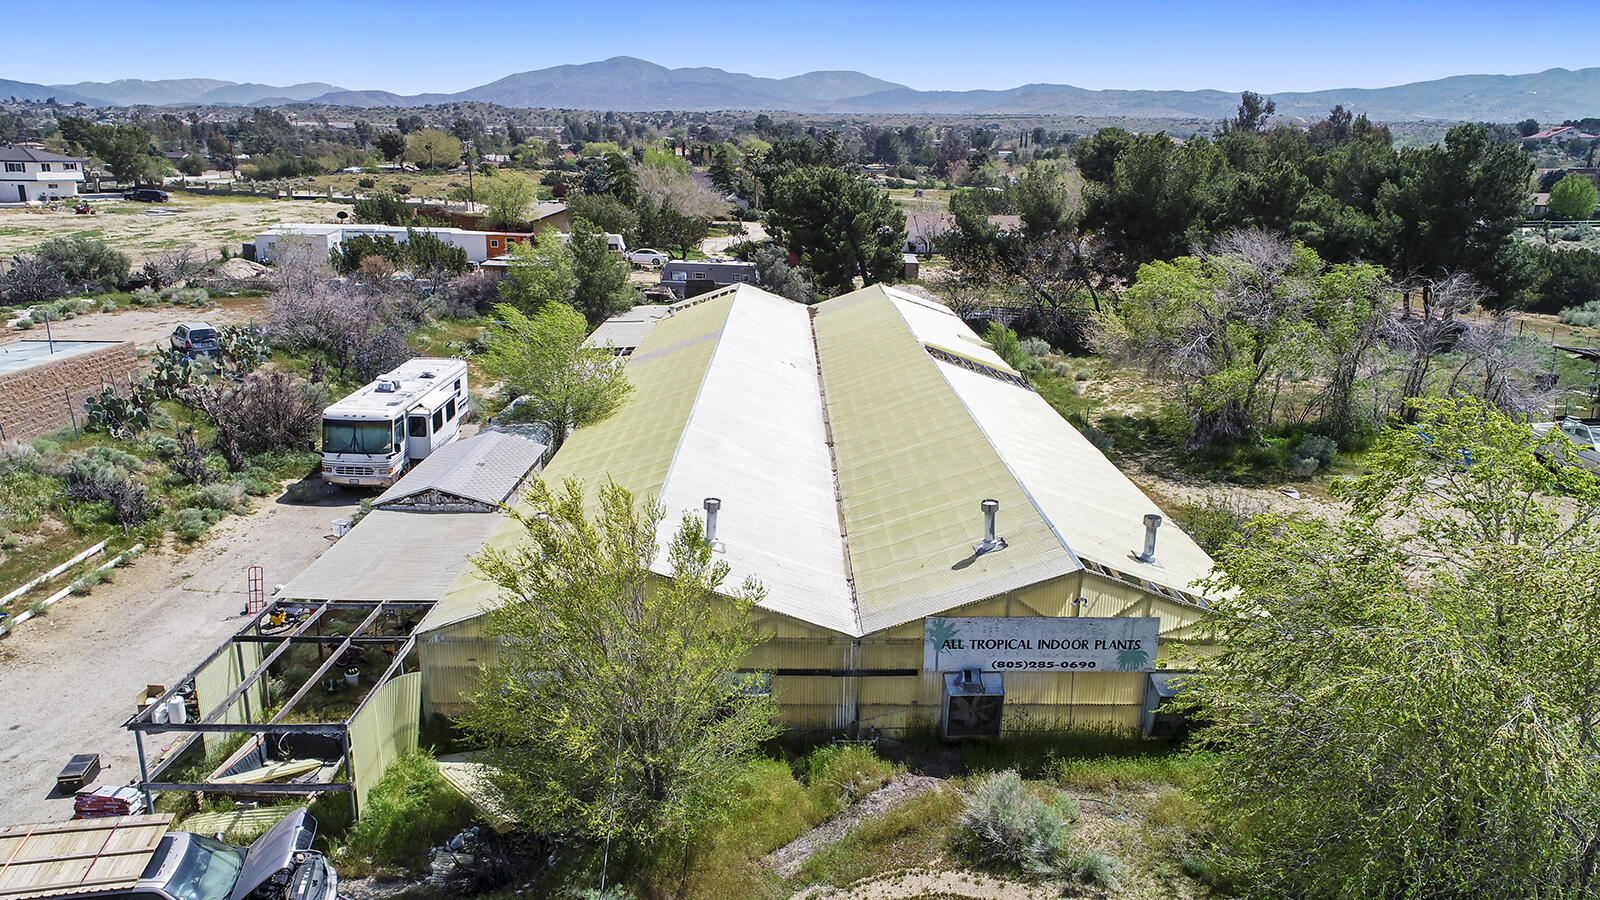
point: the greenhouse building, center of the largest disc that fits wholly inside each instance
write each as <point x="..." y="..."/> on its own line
<point x="939" y="547"/>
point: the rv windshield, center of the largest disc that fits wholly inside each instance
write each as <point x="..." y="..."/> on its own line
<point x="346" y="436"/>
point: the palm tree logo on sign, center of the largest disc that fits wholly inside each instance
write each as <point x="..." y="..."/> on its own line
<point x="1132" y="659"/>
<point x="940" y="633"/>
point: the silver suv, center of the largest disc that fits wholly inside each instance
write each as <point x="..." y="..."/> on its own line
<point x="195" y="337"/>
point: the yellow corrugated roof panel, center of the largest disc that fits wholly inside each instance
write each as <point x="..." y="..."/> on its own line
<point x="913" y="467"/>
<point x="634" y="446"/>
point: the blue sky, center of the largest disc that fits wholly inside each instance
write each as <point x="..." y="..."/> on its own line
<point x="411" y="47"/>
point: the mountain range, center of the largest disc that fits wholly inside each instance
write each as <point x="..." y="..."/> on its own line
<point x="625" y="84"/>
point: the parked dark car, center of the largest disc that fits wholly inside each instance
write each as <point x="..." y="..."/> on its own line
<point x="195" y="337"/>
<point x="146" y="195"/>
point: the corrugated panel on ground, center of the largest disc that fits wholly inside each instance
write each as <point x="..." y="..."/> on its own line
<point x="384" y="730"/>
<point x="217" y="680"/>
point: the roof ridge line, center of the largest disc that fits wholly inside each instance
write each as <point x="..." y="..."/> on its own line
<point x="833" y="468"/>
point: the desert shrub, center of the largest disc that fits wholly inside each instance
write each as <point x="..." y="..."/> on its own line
<point x="1217" y="519"/>
<point x="1315" y="446"/>
<point x="1034" y="346"/>
<point x="24" y="323"/>
<point x="30" y="280"/>
<point x="86" y="582"/>
<point x="471" y="294"/>
<point x="10" y="542"/>
<point x="104" y="475"/>
<point x="217" y="496"/>
<point x="1007" y="827"/>
<point x="190" y="523"/>
<point x="85" y="263"/>
<point x="1587" y="315"/>
<point x="383" y="351"/>
<point x="265" y="412"/>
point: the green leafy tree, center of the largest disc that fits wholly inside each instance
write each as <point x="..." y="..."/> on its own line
<point x="383" y="209"/>
<point x="1574" y="197"/>
<point x="841" y="226"/>
<point x="432" y="257"/>
<point x="615" y="709"/>
<point x="1218" y="329"/>
<point x="1453" y="208"/>
<point x="608" y="214"/>
<point x="346" y="258"/>
<point x="431" y="148"/>
<point x="392" y="144"/>
<point x="602" y="289"/>
<point x="126" y="151"/>
<point x="506" y="200"/>
<point x="541" y="358"/>
<point x="1406" y="703"/>
<point x="541" y="272"/>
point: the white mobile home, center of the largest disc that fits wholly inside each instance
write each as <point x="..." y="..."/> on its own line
<point x="371" y="436"/>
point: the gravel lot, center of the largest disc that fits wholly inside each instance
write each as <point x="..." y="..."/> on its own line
<point x="143" y="230"/>
<point x="68" y="680"/>
<point x="147" y="326"/>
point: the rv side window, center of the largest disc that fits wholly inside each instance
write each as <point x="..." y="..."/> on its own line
<point x="419" y="426"/>
<point x="458" y="385"/>
<point x="438" y="420"/>
<point x="450" y="409"/>
<point x="399" y="433"/>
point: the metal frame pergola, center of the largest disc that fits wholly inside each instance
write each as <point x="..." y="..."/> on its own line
<point x="316" y="612"/>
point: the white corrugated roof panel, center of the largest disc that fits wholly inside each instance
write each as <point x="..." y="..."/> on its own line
<point x="394" y="555"/>
<point x="485" y="468"/>
<point x="756" y="441"/>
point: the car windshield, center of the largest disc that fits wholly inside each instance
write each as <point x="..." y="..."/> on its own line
<point x="345" y="436"/>
<point x="207" y="870"/>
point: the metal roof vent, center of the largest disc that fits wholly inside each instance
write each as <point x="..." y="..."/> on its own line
<point x="713" y="504"/>
<point x="1151" y="523"/>
<point x="990" y="542"/>
<point x="387" y="387"/>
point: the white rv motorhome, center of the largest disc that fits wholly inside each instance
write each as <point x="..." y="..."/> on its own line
<point x="371" y="436"/>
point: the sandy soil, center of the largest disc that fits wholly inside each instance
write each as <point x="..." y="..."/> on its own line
<point x="788" y="859"/>
<point x="68" y="680"/>
<point x="917" y="884"/>
<point x="146" y="326"/>
<point x="143" y="230"/>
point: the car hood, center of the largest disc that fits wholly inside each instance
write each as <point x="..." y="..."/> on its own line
<point x="274" y="852"/>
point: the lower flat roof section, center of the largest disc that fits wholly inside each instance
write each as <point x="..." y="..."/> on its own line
<point x="394" y="555"/>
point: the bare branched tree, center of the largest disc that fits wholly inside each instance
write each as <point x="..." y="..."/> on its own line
<point x="1420" y="338"/>
<point x="1497" y="366"/>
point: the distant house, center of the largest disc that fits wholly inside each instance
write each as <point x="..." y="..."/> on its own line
<point x="31" y="175"/>
<point x="1561" y="133"/>
<point x="693" y="277"/>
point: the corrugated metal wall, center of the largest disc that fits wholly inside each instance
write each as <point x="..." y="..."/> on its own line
<point x="834" y="682"/>
<point x="384" y="730"/>
<point x="218" y="680"/>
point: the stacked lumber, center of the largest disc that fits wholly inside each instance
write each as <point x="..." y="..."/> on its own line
<point x="99" y="802"/>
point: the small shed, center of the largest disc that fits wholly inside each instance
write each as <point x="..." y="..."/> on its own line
<point x="477" y="474"/>
<point x="908" y="266"/>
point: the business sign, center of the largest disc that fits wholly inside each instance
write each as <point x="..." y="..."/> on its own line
<point x="1040" y="643"/>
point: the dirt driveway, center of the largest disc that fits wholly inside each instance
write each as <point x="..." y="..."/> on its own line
<point x="146" y="327"/>
<point x="68" y="680"/>
<point x="144" y="230"/>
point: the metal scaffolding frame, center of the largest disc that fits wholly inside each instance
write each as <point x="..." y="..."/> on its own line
<point x="144" y="721"/>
